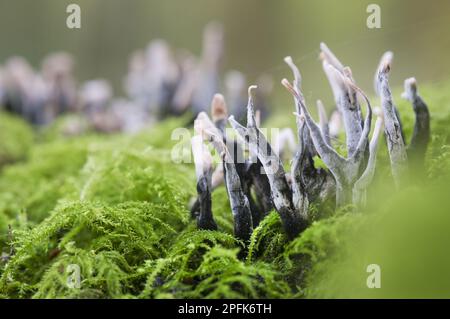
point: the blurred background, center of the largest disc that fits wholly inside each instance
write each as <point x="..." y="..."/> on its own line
<point x="258" y="34"/>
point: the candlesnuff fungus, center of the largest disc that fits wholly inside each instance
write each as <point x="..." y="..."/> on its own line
<point x="392" y="125"/>
<point x="219" y="112"/>
<point x="314" y="182"/>
<point x="345" y="97"/>
<point x="294" y="218"/>
<point x="298" y="184"/>
<point x="239" y="202"/>
<point x="248" y="171"/>
<point x="344" y="170"/>
<point x="400" y="155"/>
<point x="216" y="181"/>
<point x="347" y="178"/>
<point x="203" y="170"/>
<point x="239" y="174"/>
<point x="361" y="185"/>
<point x="421" y="134"/>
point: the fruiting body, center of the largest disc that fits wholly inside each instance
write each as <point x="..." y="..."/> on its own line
<point x="348" y="177"/>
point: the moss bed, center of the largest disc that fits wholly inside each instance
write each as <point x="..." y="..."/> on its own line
<point x="117" y="206"/>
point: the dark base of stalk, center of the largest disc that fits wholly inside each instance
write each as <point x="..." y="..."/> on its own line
<point x="206" y="223"/>
<point x="293" y="225"/>
<point x="243" y="227"/>
<point x="205" y="218"/>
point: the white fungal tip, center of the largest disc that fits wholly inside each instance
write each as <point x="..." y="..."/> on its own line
<point x="295" y="70"/>
<point x="348" y="72"/>
<point x="386" y="62"/>
<point x="251" y="88"/>
<point x="411" y="81"/>
<point x="410" y="89"/>
<point x="285" y="82"/>
<point x="219" y="110"/>
<point x="288" y="60"/>
<point x="328" y="55"/>
<point x="289" y="87"/>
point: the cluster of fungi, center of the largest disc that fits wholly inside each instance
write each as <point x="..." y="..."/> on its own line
<point x="258" y="182"/>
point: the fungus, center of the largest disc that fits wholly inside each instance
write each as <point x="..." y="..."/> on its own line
<point x="293" y="219"/>
<point x="344" y="170"/>
<point x="392" y="126"/>
<point x="402" y="156"/>
<point x="421" y="135"/>
<point x="345" y="97"/>
<point x="236" y="182"/>
<point x="203" y="171"/>
<point x="314" y="182"/>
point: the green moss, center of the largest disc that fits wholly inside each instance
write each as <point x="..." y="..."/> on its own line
<point x="267" y="240"/>
<point x="16" y="139"/>
<point x="117" y="207"/>
<point x="82" y="231"/>
<point x="33" y="188"/>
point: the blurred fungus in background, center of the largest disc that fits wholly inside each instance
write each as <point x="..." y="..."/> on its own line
<point x="177" y="58"/>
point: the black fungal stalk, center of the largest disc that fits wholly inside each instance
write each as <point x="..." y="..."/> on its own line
<point x="308" y="181"/>
<point x="421" y="134"/>
<point x="294" y="220"/>
<point x="203" y="169"/>
<point x="347" y="178"/>
<point x="344" y="170"/>
<point x="239" y="202"/>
